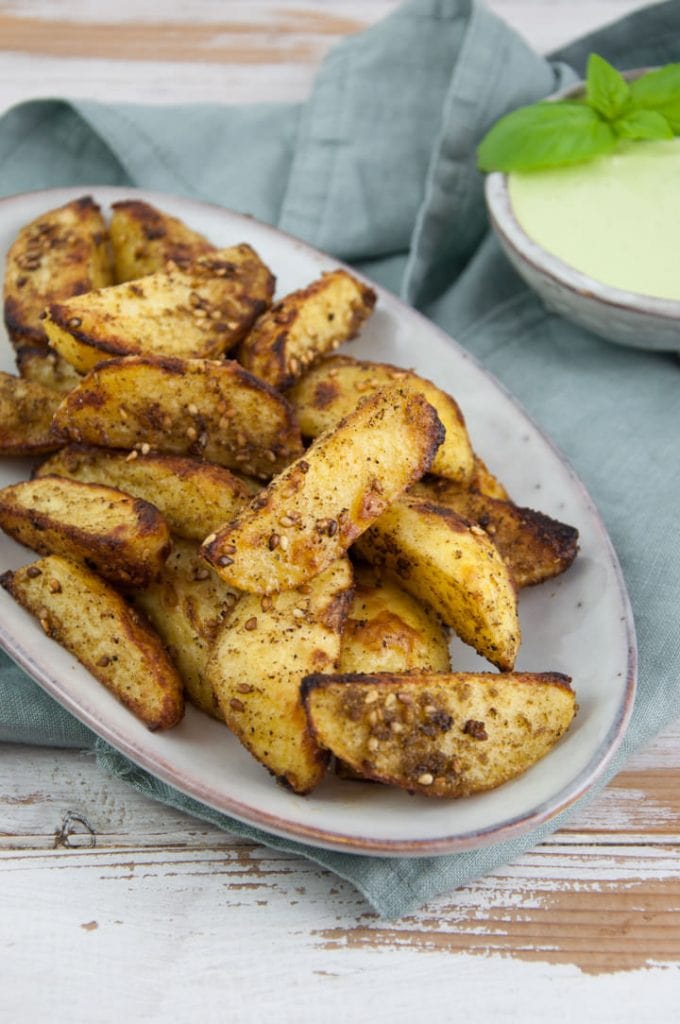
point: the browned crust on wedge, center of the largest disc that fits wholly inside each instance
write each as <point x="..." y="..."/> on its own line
<point x="144" y="238"/>
<point x="439" y="734"/>
<point x="111" y="639"/>
<point x="26" y="411"/>
<point x="124" y="539"/>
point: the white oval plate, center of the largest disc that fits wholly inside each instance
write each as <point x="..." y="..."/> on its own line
<point x="579" y="624"/>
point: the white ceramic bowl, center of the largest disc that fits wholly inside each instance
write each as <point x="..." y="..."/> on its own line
<point x="625" y="317"/>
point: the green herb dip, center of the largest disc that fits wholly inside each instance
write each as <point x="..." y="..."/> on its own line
<point x="615" y="218"/>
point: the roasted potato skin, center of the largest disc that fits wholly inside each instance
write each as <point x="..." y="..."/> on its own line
<point x="186" y="606"/>
<point x="124" y="539"/>
<point x="144" y="238"/>
<point x="313" y="511"/>
<point x="334" y="387"/>
<point x="259" y="658"/>
<point x="453" y="566"/>
<point x="26" y="411"/>
<point x="199" y="312"/>
<point x="194" y="497"/>
<point x="197" y="407"/>
<point x="439" y="734"/>
<point x="303" y="326"/>
<point x="64" y="252"/>
<point x="534" y="547"/>
<point x="90" y="619"/>
<point x="387" y="630"/>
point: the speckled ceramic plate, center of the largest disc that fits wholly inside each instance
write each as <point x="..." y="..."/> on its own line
<point x="579" y="624"/>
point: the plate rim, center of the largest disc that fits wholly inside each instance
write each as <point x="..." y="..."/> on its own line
<point x="315" y="836"/>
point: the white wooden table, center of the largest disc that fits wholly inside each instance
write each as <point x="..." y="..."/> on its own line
<point x="115" y="908"/>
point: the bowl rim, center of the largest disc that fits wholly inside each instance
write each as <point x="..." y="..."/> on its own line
<point x="510" y="231"/>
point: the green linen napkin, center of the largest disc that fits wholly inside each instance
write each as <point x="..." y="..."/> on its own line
<point x="378" y="168"/>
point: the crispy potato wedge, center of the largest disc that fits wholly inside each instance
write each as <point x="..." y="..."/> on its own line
<point x="26" y="411"/>
<point x="198" y="407"/>
<point x="87" y="617"/>
<point x="452" y="565"/>
<point x="311" y="513"/>
<point x="124" y="539"/>
<point x="333" y="388"/>
<point x="443" y="735"/>
<point x="194" y="497"/>
<point x="260" y="656"/>
<point x="305" y="325"/>
<point x="46" y="368"/>
<point x="63" y="253"/>
<point x="533" y="546"/>
<point x="387" y="630"/>
<point x="200" y="311"/>
<point x="486" y="483"/>
<point x="143" y="239"/>
<point x="187" y="606"/>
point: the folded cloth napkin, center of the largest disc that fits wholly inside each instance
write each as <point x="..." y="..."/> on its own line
<point x="378" y="167"/>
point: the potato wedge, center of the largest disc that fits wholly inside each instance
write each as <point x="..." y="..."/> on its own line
<point x="87" y="617"/>
<point x="193" y="497"/>
<point x="313" y="511"/>
<point x="260" y="656"/>
<point x="64" y="252"/>
<point x="46" y="368"/>
<point x="124" y="539"/>
<point x="143" y="239"/>
<point x="533" y="546"/>
<point x="442" y="735"/>
<point x="200" y="311"/>
<point x="486" y="483"/>
<point x="333" y="388"/>
<point x="305" y="325"/>
<point x="26" y="411"/>
<point x="187" y="606"/>
<point x="453" y="566"/>
<point x="214" y="410"/>
<point x="387" y="630"/>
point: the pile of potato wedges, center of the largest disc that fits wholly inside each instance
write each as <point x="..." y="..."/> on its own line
<point x="226" y="511"/>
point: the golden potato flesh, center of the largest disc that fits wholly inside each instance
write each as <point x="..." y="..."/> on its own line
<point x="260" y="657"/>
<point x="124" y="539"/>
<point x="64" y="252"/>
<point x="533" y="546"/>
<point x="85" y="615"/>
<point x="387" y="630"/>
<point x="187" y="606"/>
<point x="440" y="734"/>
<point x="313" y="511"/>
<point x="304" y="326"/>
<point x="334" y="387"/>
<point x="454" y="567"/>
<point x="194" y="497"/>
<point x="47" y="368"/>
<point x="198" y="407"/>
<point x="199" y="311"/>
<point x="143" y="239"/>
<point x="26" y="411"/>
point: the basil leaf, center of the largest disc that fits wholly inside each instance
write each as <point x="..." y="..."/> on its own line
<point x="643" y="124"/>
<point x="660" y="91"/>
<point x="606" y="90"/>
<point x="545" y="135"/>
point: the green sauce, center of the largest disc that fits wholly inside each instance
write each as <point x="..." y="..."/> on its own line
<point x="616" y="218"/>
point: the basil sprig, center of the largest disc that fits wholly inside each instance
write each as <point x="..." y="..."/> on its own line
<point x="558" y="133"/>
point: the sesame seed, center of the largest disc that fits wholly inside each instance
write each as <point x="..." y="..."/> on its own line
<point x="192" y="409"/>
<point x="405" y="698"/>
<point x="145" y="448"/>
<point x="273" y="541"/>
<point x="235" y="704"/>
<point x="250" y="624"/>
<point x="390" y="700"/>
<point x="225" y="560"/>
<point x="244" y="688"/>
<point x="192" y="433"/>
<point x="104" y="661"/>
<point x="283" y="543"/>
<point x="299" y="613"/>
<point x="266" y="603"/>
<point x="303" y="466"/>
<point x="210" y="538"/>
<point x="286" y="521"/>
<point x="122" y="413"/>
<point x="54" y="586"/>
<point x="201" y="572"/>
<point x="371" y="697"/>
<point x="426" y="779"/>
<point x="271" y="455"/>
<point x="75" y="321"/>
<point x="33" y="571"/>
<point x="397" y="727"/>
<point x="132" y="456"/>
<point x="372" y="743"/>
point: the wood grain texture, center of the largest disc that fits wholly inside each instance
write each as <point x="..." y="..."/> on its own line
<point x="115" y="907"/>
